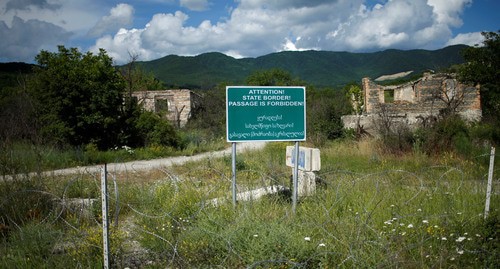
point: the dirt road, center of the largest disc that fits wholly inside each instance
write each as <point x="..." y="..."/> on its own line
<point x="143" y="165"/>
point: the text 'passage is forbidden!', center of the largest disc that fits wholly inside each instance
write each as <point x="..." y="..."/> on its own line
<point x="258" y="113"/>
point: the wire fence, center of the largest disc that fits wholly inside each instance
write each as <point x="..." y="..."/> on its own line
<point x="166" y="217"/>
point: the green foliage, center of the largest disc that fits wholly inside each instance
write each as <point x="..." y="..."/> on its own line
<point x="210" y="115"/>
<point x="78" y="98"/>
<point x="449" y="134"/>
<point x="354" y="93"/>
<point x="369" y="212"/>
<point x="30" y="247"/>
<point x="156" y="131"/>
<point x="324" y="110"/>
<point x="273" y="77"/>
<point x="483" y="67"/>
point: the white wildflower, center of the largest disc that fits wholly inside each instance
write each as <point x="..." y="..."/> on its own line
<point x="255" y="235"/>
<point x="307" y="238"/>
<point x="444" y="238"/>
<point x="321" y="245"/>
<point x="410" y="225"/>
<point x="460" y="239"/>
<point x="425" y="221"/>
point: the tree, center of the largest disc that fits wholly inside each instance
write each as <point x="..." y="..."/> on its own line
<point x="355" y="94"/>
<point x="273" y="77"/>
<point x="78" y="97"/>
<point x="483" y="67"/>
<point x="325" y="107"/>
<point x="210" y="114"/>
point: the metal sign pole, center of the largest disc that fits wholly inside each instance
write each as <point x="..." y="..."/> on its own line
<point x="233" y="164"/>
<point x="105" y="223"/>
<point x="295" y="177"/>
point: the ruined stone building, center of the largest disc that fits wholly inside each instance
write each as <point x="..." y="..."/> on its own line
<point x="175" y="105"/>
<point x="416" y="103"/>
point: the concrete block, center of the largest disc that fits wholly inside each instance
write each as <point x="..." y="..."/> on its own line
<point x="306" y="183"/>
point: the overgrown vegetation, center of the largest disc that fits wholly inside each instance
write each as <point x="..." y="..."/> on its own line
<point x="448" y="132"/>
<point x="411" y="198"/>
<point x="370" y="210"/>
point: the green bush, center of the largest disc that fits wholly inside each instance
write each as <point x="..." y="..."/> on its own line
<point x="156" y="131"/>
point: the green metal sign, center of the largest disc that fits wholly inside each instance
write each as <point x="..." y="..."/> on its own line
<point x="257" y="113"/>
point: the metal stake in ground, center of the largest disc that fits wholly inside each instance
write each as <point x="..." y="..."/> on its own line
<point x="105" y="224"/>
<point x="490" y="179"/>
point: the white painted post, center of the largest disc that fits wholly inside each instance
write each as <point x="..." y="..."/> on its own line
<point x="105" y="223"/>
<point x="490" y="181"/>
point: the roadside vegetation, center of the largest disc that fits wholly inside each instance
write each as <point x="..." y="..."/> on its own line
<point x="370" y="210"/>
<point x="406" y="199"/>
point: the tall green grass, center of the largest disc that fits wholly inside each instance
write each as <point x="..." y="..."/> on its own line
<point x="369" y="211"/>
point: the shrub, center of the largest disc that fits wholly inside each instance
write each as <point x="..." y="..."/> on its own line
<point x="156" y="131"/>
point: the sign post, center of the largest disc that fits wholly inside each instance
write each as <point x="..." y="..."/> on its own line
<point x="265" y="113"/>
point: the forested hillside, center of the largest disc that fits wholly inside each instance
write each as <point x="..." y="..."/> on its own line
<point x="319" y="68"/>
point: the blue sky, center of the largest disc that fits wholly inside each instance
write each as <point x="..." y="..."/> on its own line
<point x="151" y="29"/>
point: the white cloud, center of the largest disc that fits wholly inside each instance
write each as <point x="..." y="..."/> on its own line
<point x="448" y="11"/>
<point x="252" y="27"/>
<point x="196" y="5"/>
<point x="470" y="39"/>
<point x="120" y="16"/>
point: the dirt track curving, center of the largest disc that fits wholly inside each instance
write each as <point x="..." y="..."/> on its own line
<point x="144" y="165"/>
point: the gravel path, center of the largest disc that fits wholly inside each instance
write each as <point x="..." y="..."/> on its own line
<point x="144" y="165"/>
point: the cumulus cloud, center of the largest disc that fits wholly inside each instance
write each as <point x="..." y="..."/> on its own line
<point x="196" y="5"/>
<point x="120" y="16"/>
<point x="27" y="37"/>
<point x="250" y="28"/>
<point x="470" y="39"/>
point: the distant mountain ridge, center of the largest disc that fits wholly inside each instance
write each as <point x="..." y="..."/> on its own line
<point x="319" y="68"/>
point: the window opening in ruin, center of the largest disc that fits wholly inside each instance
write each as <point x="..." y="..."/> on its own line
<point x="388" y="96"/>
<point x="161" y="105"/>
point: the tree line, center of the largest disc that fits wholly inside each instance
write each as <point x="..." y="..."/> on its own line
<point x="77" y="99"/>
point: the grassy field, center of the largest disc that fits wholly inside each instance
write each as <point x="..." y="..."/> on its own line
<point x="369" y="211"/>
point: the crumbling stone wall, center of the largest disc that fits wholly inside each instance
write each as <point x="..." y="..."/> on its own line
<point x="414" y="102"/>
<point x="175" y="105"/>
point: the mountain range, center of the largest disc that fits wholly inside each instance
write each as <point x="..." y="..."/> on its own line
<point x="319" y="68"/>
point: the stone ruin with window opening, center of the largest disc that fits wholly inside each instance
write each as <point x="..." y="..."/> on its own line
<point x="175" y="105"/>
<point x="415" y="103"/>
